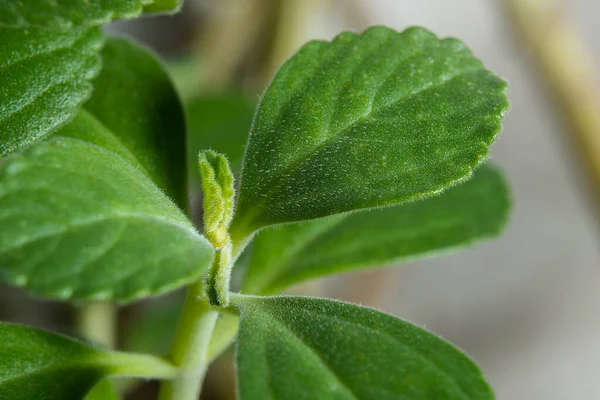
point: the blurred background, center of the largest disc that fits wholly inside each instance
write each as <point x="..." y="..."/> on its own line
<point x="526" y="306"/>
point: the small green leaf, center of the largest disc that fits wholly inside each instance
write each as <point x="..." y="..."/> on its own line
<point x="67" y="14"/>
<point x="45" y="77"/>
<point x="218" y="192"/>
<point x="288" y="254"/>
<point x="35" y="364"/>
<point x="136" y="100"/>
<point x="80" y="220"/>
<point x="295" y="348"/>
<point x="366" y="121"/>
<point x="220" y="122"/>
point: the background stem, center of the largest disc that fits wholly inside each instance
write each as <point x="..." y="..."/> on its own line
<point x="190" y="346"/>
<point x="570" y="70"/>
<point x="97" y="322"/>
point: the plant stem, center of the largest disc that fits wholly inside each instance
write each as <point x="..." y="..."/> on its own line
<point x="97" y="322"/>
<point x="190" y="346"/>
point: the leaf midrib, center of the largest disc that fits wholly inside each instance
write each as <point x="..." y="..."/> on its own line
<point x="320" y="359"/>
<point x="408" y="349"/>
<point x="84" y="34"/>
<point x="85" y="362"/>
<point x="104" y="218"/>
<point x="264" y="198"/>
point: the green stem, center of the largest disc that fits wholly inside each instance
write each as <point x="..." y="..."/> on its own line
<point x="190" y="347"/>
<point x="97" y="322"/>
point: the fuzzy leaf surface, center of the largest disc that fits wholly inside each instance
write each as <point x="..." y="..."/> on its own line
<point x="288" y="254"/>
<point x="136" y="100"/>
<point x="87" y="214"/>
<point x="35" y="363"/>
<point x="295" y="348"/>
<point x="367" y="120"/>
<point x="45" y="77"/>
<point x="81" y="221"/>
<point x="71" y="13"/>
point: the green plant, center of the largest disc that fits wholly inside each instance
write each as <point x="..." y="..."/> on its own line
<point x="349" y="148"/>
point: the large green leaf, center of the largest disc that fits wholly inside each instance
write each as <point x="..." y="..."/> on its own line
<point x="82" y="221"/>
<point x="221" y="122"/>
<point x="82" y="216"/>
<point x="366" y="121"/>
<point x="135" y="99"/>
<point x="294" y="348"/>
<point x="40" y="365"/>
<point x="51" y="14"/>
<point x="288" y="254"/>
<point x="45" y="76"/>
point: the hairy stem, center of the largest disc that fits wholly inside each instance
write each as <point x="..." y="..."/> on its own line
<point x="189" y="351"/>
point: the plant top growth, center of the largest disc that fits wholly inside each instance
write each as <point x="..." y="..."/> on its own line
<point x="364" y="151"/>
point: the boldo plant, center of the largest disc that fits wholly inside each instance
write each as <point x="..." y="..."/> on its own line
<point x="365" y="151"/>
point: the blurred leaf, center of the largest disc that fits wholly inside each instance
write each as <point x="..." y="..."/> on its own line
<point x="68" y="14"/>
<point x="35" y="364"/>
<point x="366" y="121"/>
<point x="45" y="77"/>
<point x="105" y="390"/>
<point x="219" y="122"/>
<point x="136" y="100"/>
<point x="153" y="329"/>
<point x="307" y="348"/>
<point x="288" y="254"/>
<point x="184" y="73"/>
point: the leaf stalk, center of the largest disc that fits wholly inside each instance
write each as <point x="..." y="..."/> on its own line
<point x="189" y="351"/>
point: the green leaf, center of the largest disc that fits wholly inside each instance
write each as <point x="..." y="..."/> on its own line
<point x="105" y="390"/>
<point x="82" y="216"/>
<point x="221" y="122"/>
<point x="136" y="100"/>
<point x="35" y="364"/>
<point x="109" y="233"/>
<point x="45" y="77"/>
<point x="288" y="254"/>
<point x="67" y="14"/>
<point x="366" y="121"/>
<point x="306" y="348"/>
